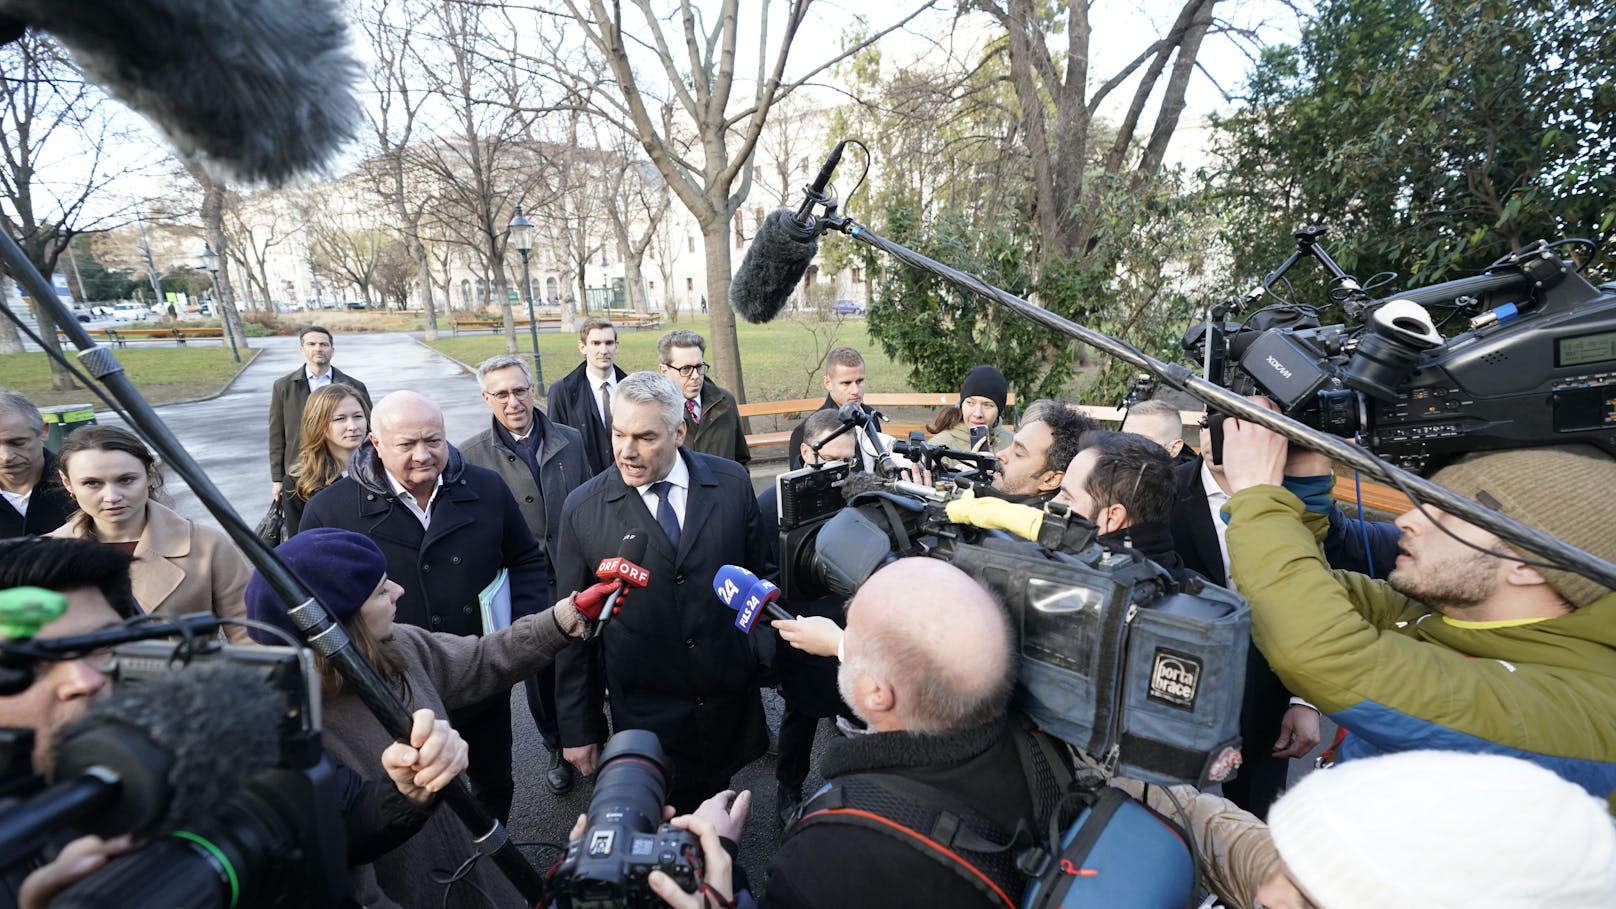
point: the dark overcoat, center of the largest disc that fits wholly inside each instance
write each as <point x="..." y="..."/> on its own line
<point x="672" y="659"/>
<point x="573" y="403"/>
<point x="476" y="530"/>
<point x="562" y="468"/>
<point x="286" y="399"/>
<point x="719" y="432"/>
<point x="49" y="506"/>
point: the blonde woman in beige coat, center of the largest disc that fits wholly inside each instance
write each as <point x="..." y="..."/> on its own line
<point x="180" y="566"/>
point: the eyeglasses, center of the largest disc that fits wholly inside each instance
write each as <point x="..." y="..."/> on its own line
<point x="503" y="396"/>
<point x="688" y="371"/>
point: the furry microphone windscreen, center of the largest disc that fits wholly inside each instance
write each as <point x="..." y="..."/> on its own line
<point x="220" y="724"/>
<point x="772" y="267"/>
<point x="258" y="90"/>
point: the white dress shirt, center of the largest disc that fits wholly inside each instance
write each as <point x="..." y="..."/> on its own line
<point x="678" y="493"/>
<point x="424" y="515"/>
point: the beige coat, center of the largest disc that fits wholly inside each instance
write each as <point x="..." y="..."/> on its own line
<point x="183" y="567"/>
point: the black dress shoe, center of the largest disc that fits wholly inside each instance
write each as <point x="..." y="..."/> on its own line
<point x="787" y="802"/>
<point x="560" y="775"/>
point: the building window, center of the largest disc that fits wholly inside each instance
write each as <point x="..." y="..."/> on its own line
<point x="650" y="285"/>
<point x="692" y="241"/>
<point x="690" y="284"/>
<point x="858" y="275"/>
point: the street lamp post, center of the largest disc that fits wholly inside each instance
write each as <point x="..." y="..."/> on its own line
<point x="522" y="239"/>
<point x="210" y="264"/>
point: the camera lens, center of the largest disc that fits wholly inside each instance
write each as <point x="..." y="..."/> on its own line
<point x="632" y="782"/>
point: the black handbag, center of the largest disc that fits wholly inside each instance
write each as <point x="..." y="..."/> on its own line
<point x="272" y="529"/>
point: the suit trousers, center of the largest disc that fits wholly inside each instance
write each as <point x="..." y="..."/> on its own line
<point x="486" y="727"/>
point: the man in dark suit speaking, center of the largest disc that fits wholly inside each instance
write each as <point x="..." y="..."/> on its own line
<point x="291" y="392"/>
<point x="673" y="662"/>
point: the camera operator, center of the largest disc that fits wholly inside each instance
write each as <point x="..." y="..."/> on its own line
<point x="927" y="665"/>
<point x="439" y="672"/>
<point x="94" y="577"/>
<point x="1123" y="483"/>
<point x="807" y="680"/>
<point x="1467" y="645"/>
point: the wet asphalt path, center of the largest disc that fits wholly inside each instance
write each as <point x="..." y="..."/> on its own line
<point x="227" y="435"/>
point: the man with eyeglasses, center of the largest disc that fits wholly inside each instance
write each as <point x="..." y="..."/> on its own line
<point x="583" y="398"/>
<point x="541" y="462"/>
<point x="712" y="418"/>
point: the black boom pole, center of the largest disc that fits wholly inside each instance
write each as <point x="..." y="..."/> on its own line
<point x="325" y="637"/>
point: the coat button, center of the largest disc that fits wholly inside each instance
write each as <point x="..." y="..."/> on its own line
<point x="701" y="702"/>
<point x="691" y="643"/>
<point x="678" y="579"/>
<point x="466" y="610"/>
<point x="371" y="497"/>
<point x="426" y="567"/>
<point x="530" y="500"/>
<point x="437" y="620"/>
<point x="454" y="560"/>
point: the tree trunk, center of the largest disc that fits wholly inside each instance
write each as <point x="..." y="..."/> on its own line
<point x="10" y="338"/>
<point x="721" y="339"/>
<point x="634" y="280"/>
<point x="505" y="313"/>
<point x="427" y="306"/>
<point x="61" y="379"/>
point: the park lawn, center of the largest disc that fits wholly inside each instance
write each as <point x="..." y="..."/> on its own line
<point x="163" y="374"/>
<point x="783" y="359"/>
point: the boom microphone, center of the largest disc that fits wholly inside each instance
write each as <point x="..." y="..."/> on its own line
<point x="263" y="89"/>
<point x="155" y="756"/>
<point x="777" y="260"/>
<point x="749" y="595"/>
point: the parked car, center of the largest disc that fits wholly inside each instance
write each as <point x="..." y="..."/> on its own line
<point x="354" y="304"/>
<point x="847" y="308"/>
<point x="130" y="312"/>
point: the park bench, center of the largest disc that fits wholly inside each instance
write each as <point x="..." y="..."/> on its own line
<point x="458" y="325"/>
<point x="1375" y="495"/>
<point x="633" y="320"/>
<point x="122" y="337"/>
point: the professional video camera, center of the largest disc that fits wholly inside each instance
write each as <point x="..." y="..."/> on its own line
<point x="625" y="840"/>
<point x="1137" y="674"/>
<point x="212" y="749"/>
<point x="1536" y="364"/>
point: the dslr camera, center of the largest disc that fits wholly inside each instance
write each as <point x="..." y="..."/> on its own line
<point x="625" y="839"/>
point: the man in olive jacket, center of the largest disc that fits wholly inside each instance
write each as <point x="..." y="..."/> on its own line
<point x="712" y="418"/>
<point x="541" y="461"/>
<point x="447" y="528"/>
<point x="1466" y="646"/>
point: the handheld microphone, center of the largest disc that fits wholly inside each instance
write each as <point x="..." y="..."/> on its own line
<point x="625" y="569"/>
<point x="785" y="243"/>
<point x="262" y="91"/>
<point x="155" y="756"/>
<point x="749" y="595"/>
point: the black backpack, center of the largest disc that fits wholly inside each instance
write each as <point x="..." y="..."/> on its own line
<point x="1088" y="845"/>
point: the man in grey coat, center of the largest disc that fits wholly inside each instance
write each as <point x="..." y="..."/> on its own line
<point x="541" y="461"/>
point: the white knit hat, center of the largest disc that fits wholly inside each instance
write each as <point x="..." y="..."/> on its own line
<point x="1435" y="829"/>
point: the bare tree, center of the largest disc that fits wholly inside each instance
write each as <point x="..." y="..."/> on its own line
<point x="480" y="165"/>
<point x="396" y="80"/>
<point x="698" y="71"/>
<point x="1058" y="108"/>
<point x="255" y="227"/>
<point x="636" y="202"/>
<point x="212" y="212"/>
<point x="57" y="137"/>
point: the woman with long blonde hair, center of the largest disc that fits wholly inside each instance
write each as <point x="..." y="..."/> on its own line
<point x="336" y="420"/>
<point x="180" y="566"/>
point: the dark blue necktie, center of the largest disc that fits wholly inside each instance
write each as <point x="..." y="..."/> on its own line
<point x="664" y="512"/>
